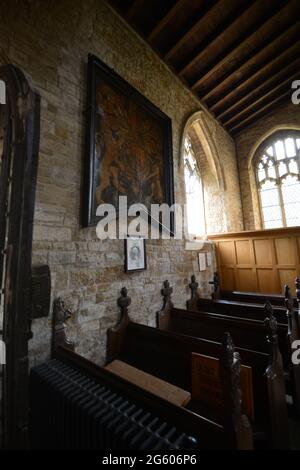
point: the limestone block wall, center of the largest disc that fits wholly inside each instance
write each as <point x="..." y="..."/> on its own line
<point x="51" y="41"/>
<point x="284" y="117"/>
<point x="222" y="213"/>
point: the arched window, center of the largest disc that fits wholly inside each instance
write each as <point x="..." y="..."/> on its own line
<point x="194" y="192"/>
<point x="278" y="180"/>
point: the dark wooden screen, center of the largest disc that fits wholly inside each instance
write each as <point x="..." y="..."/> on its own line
<point x="18" y="172"/>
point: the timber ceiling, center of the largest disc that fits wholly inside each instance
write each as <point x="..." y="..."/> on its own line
<point x="238" y="56"/>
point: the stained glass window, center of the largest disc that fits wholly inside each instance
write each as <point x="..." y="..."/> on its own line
<point x="194" y="192"/>
<point x="278" y="180"/>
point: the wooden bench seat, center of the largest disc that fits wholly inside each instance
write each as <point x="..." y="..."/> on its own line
<point x="249" y="334"/>
<point x="254" y="298"/>
<point x="148" y="382"/>
<point x="246" y="323"/>
<point x="168" y="357"/>
<point x="189" y="430"/>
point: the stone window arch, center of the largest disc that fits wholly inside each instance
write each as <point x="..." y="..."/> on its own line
<point x="200" y="164"/>
<point x="276" y="166"/>
<point x="196" y="223"/>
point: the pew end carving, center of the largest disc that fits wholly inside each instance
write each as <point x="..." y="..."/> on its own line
<point x="145" y="348"/>
<point x="237" y="425"/>
<point x="116" y="335"/>
<point x="275" y="383"/>
<point x="192" y="303"/>
<point x="216" y="295"/>
<point x="61" y="315"/>
<point x="163" y="317"/>
<point x="293" y="335"/>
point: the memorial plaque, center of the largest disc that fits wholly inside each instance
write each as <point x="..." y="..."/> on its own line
<point x="207" y="388"/>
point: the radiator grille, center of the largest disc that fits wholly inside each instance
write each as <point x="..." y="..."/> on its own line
<point x="69" y="410"/>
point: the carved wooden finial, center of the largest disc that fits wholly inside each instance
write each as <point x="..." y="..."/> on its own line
<point x="270" y="323"/>
<point x="167" y="291"/>
<point x="272" y="338"/>
<point x="228" y="348"/>
<point x="117" y="334"/>
<point x="60" y="316"/>
<point x="288" y="299"/>
<point x="124" y="301"/>
<point x="193" y="286"/>
<point x="163" y="316"/>
<point x="216" y="283"/>
<point x="230" y="369"/>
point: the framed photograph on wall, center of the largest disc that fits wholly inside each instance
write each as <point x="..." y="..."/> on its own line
<point x="128" y="146"/>
<point x="202" y="261"/>
<point x="135" y="254"/>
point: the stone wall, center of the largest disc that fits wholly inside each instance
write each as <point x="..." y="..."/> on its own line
<point x="222" y="213"/>
<point x="50" y="41"/>
<point x="284" y="117"/>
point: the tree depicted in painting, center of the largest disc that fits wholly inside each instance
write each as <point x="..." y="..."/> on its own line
<point x="129" y="151"/>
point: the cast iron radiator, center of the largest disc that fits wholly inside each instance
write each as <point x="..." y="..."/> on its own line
<point x="69" y="410"/>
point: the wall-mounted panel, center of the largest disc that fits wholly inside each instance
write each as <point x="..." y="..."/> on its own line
<point x="246" y="280"/>
<point x="228" y="278"/>
<point x="259" y="261"/>
<point x="263" y="250"/>
<point x="227" y="253"/>
<point x="243" y="251"/>
<point x="267" y="280"/>
<point x="287" y="276"/>
<point x="285" y="252"/>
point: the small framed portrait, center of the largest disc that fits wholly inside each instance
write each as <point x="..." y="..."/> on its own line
<point x="135" y="254"/>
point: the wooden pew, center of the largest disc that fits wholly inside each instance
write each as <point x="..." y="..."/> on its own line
<point x="231" y="307"/>
<point x="251" y="297"/>
<point x="168" y="356"/>
<point x="288" y="328"/>
<point x="60" y="422"/>
<point x="201" y="432"/>
<point x="250" y="335"/>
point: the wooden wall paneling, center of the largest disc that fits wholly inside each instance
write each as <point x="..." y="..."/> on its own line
<point x="264" y="252"/>
<point x="243" y="252"/>
<point x="227" y="253"/>
<point x="287" y="276"/>
<point x="298" y="250"/>
<point x="267" y="280"/>
<point x="246" y="280"/>
<point x="261" y="261"/>
<point x="228" y="279"/>
<point x="285" y="251"/>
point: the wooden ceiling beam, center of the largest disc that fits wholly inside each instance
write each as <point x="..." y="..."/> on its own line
<point x="255" y="78"/>
<point x="165" y="20"/>
<point x="238" y="45"/>
<point x="259" y="113"/>
<point x="191" y="31"/>
<point x="216" y="36"/>
<point x="286" y="37"/>
<point x="286" y="84"/>
<point x="277" y="78"/>
<point x="136" y="5"/>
